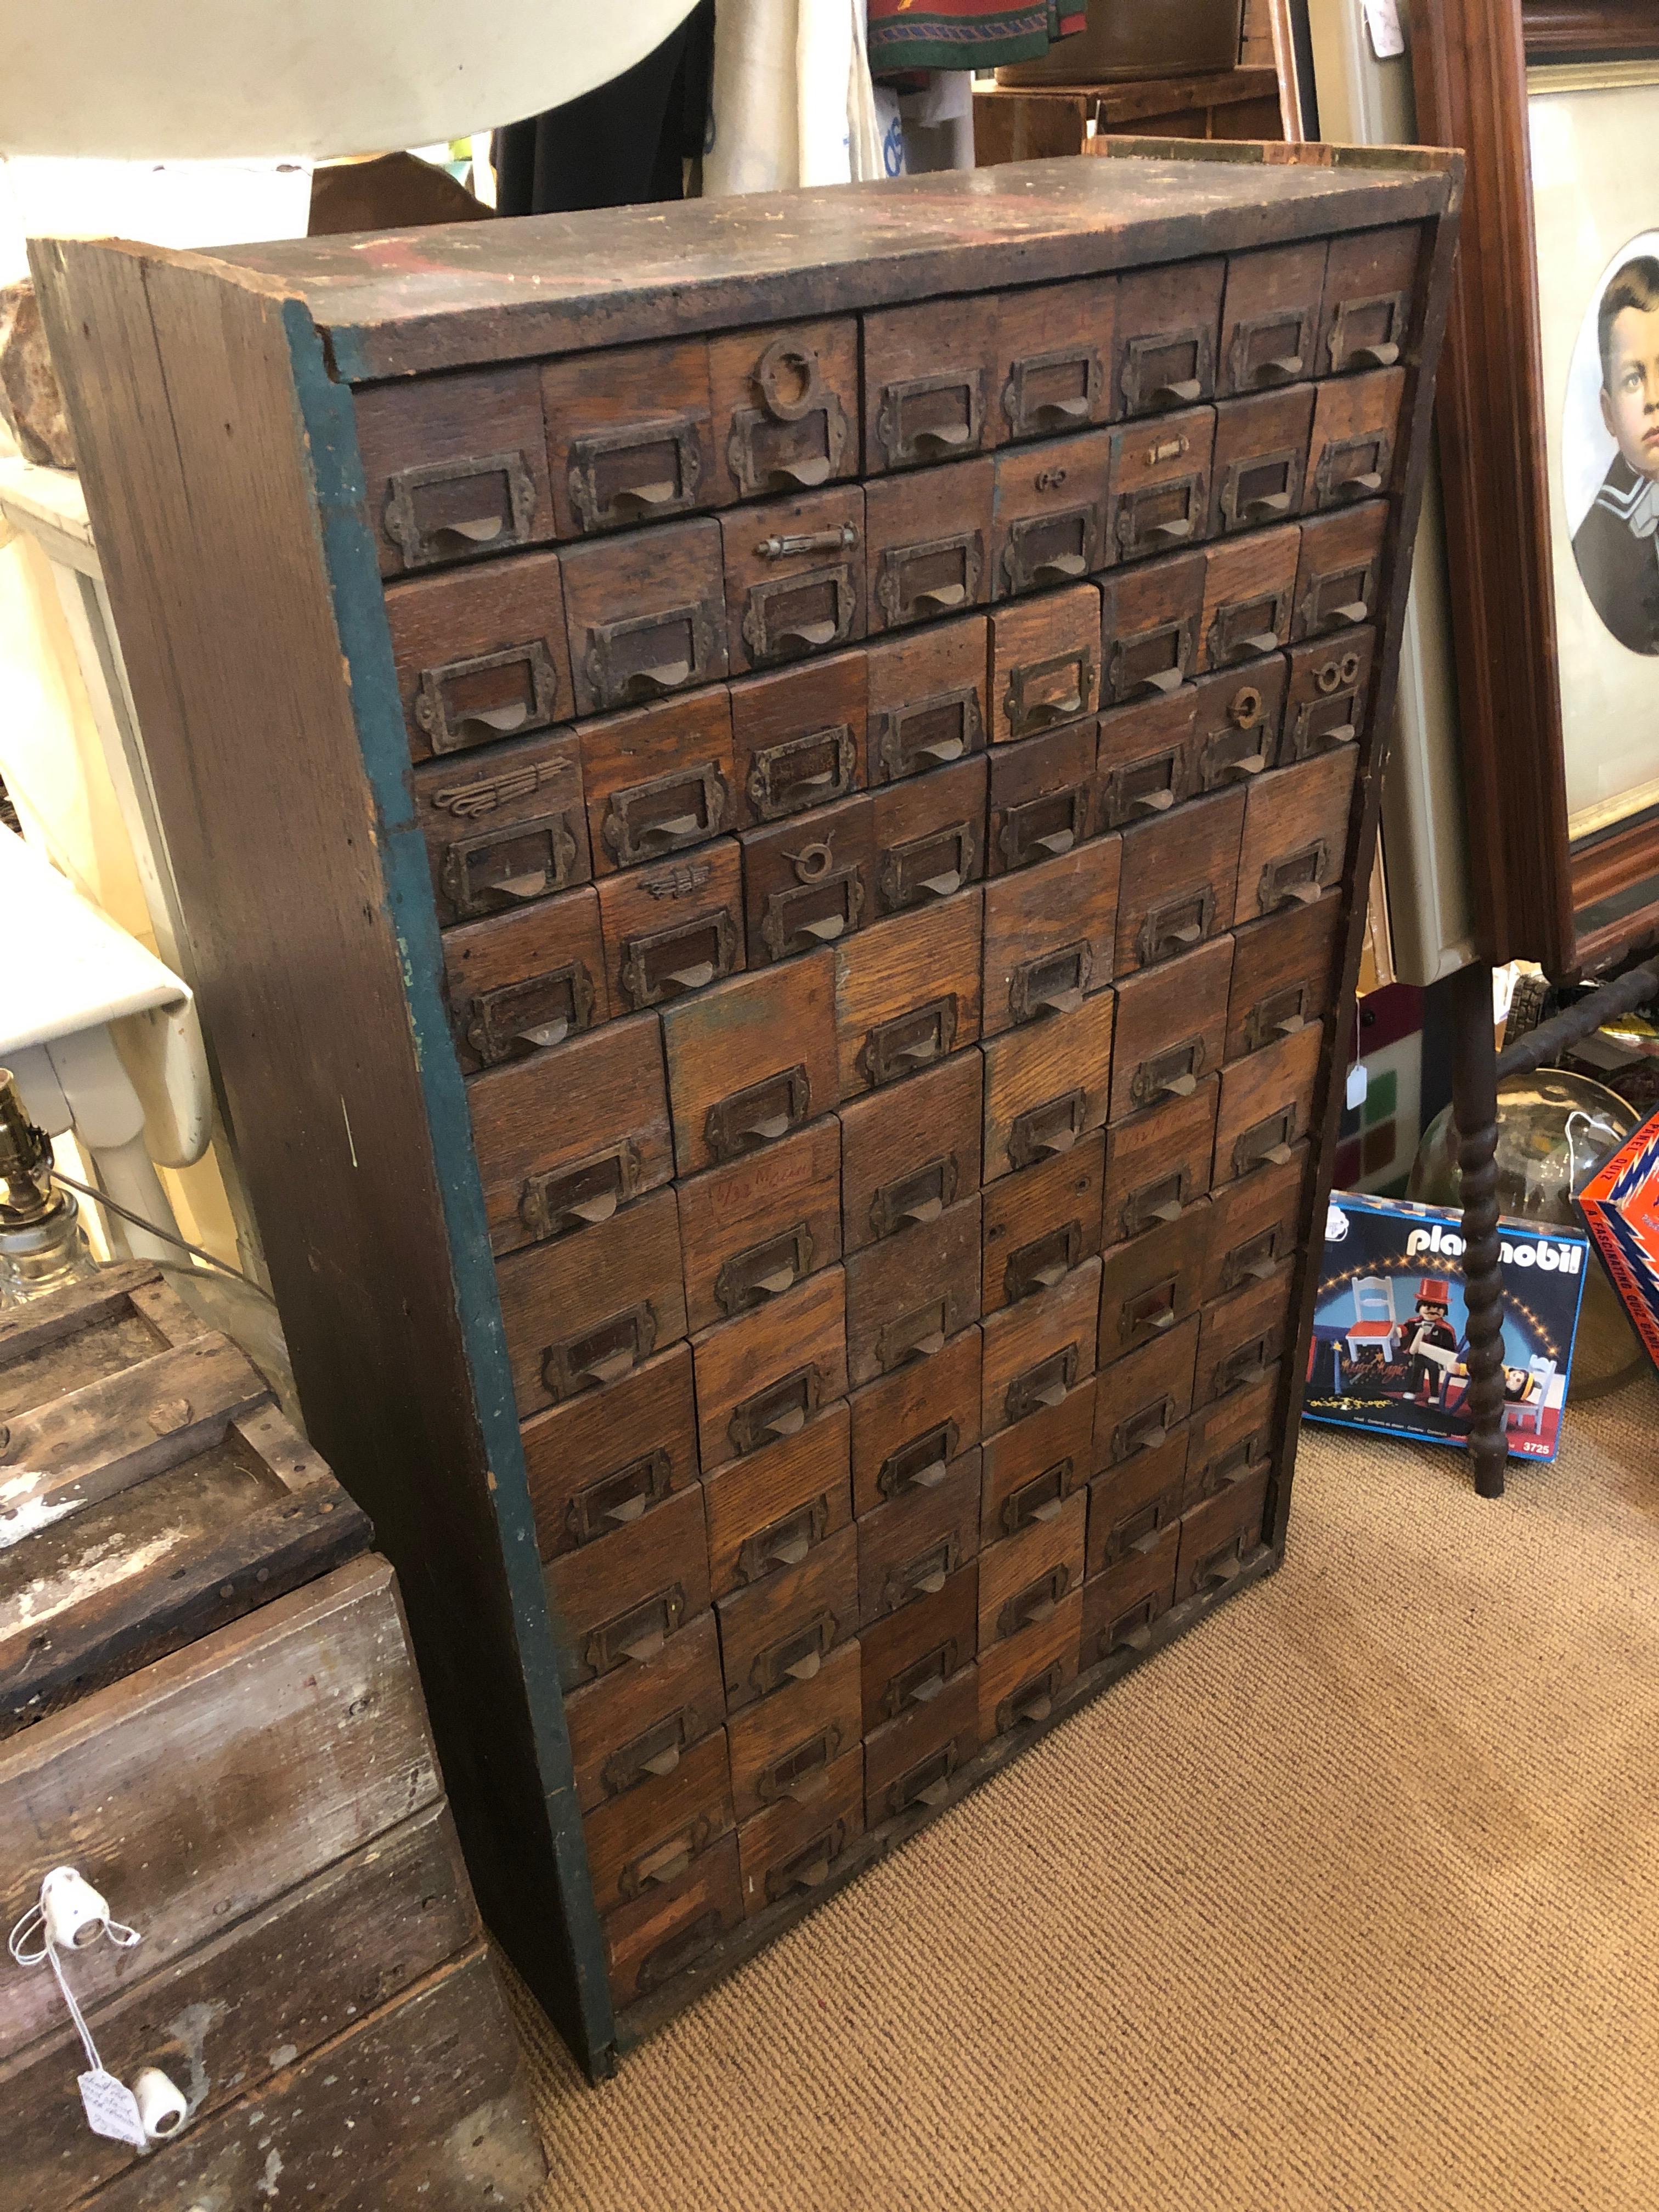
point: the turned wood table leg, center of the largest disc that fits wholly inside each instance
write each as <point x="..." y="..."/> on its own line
<point x="1475" y="1107"/>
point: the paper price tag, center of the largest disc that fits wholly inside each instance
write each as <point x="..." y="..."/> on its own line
<point x="1382" y="21"/>
<point x="112" y="2109"/>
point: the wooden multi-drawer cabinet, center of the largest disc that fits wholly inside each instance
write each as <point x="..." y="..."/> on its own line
<point x="772" y="797"/>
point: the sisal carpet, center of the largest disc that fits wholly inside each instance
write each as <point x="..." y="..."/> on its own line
<point x="1348" y="1903"/>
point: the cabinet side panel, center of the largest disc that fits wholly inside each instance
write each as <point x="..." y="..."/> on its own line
<point x="223" y="479"/>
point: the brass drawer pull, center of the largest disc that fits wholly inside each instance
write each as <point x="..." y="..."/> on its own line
<point x="521" y="1017"/>
<point x="680" y="1951"/>
<point x="923" y="1577"/>
<point x="930" y="868"/>
<point x="618" y="1499"/>
<point x="1232" y="756"/>
<point x="818" y="913"/>
<point x="1353" y="468"/>
<point x="1366" y="332"/>
<point x="788" y="616"/>
<point x="796" y="1657"/>
<point x="1221" y="1566"/>
<point x="456" y="704"/>
<point x="445" y="510"/>
<point x="1058" y="391"/>
<point x="1041" y="1499"/>
<point x="666" y="813"/>
<point x="508" y="867"/>
<point x="922" y="1464"/>
<point x="1294" y="879"/>
<point x="1033" y="1701"/>
<point x="1322" y="725"/>
<point x="812" y="541"/>
<point x="1172" y="1074"/>
<point x="1148" y="1313"/>
<point x="1056" y="984"/>
<point x="1149" y="786"/>
<point x="561" y="1200"/>
<point x="1139" y="1532"/>
<point x="1042" y="1131"/>
<point x="1260" y="488"/>
<point x="781" y="1409"/>
<point x="926" y="1783"/>
<point x="1280" y="1013"/>
<point x="930" y="733"/>
<point x="802" y="1774"/>
<point x="921" y="1682"/>
<point x="936" y="577"/>
<point x="1131" y="1631"/>
<point x="665" y="1862"/>
<point x="638" y="1634"/>
<point x="1269" y="349"/>
<point x="1339" y="600"/>
<point x="809" y="1867"/>
<point x="642" y="656"/>
<point x="1039" y="1601"/>
<point x="759" y="1114"/>
<point x="1235" y="1466"/>
<point x="1055" y="548"/>
<point x="1045" y="1384"/>
<point x="926" y="418"/>
<point x="1156" y="660"/>
<point x="797" y="438"/>
<point x="599" y="1355"/>
<point x="1163" y="1200"/>
<point x="1157" y="517"/>
<point x="1044" y="1262"/>
<point x="1168" y="368"/>
<point x="896" y="1048"/>
<point x="787" y="1542"/>
<point x="915" y="1199"/>
<point x="664" y="964"/>
<point x="915" y="1335"/>
<point x="1042" y="829"/>
<point x="801" y="772"/>
<point x="1176" y="925"/>
<point x="1245" y="630"/>
<point x="1266" y="1141"/>
<point x="765" y="1271"/>
<point x="1148" y="1430"/>
<point x="1244" y="1364"/>
<point x="631" y="475"/>
<point x="1050" y="690"/>
<point x="657" y="1752"/>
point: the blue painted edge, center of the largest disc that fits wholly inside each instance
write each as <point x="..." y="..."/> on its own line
<point x="357" y="594"/>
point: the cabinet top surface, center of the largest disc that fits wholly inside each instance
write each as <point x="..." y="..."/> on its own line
<point x="402" y="302"/>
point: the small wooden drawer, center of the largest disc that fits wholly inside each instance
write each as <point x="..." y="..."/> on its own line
<point x="1284" y="975"/>
<point x="1038" y="1350"/>
<point x="1230" y="1440"/>
<point x="798" y="740"/>
<point x="1249" y="594"/>
<point x="1171" y="1022"/>
<point x="1217" y="1537"/>
<point x="785" y="406"/>
<point x="646" y="616"/>
<point x="658" y="780"/>
<point x="672" y="928"/>
<point x="1150" y="1285"/>
<point x="1042" y="798"/>
<point x="929" y="382"/>
<point x="1255" y="1224"/>
<point x="1131" y="1509"/>
<point x="630" y="436"/>
<point x="908" y="1658"/>
<point x="781" y="1630"/>
<point x="911" y="1547"/>
<point x="1047" y="1085"/>
<point x="1261" y="468"/>
<point x="1041" y="1224"/>
<point x="1236" y="723"/>
<point x="1024" y="1579"/>
<point x="750" y="1062"/>
<point x="617" y="1603"/>
<point x="1051" y="934"/>
<point x="791" y="1849"/>
<point x="1242" y="1336"/>
<point x="928" y="836"/>
<point x="1020" y="1678"/>
<point x="1167" y="336"/>
<point x="808" y="882"/>
<point x="1160" y="483"/>
<point x="910" y="1428"/>
<point x="1146" y="760"/>
<point x="480" y="657"/>
<point x="1055" y="356"/>
<point x="794" y="577"/>
<point x="1326" y="699"/>
<point x="1338" y="577"/>
<point x="1153" y="624"/>
<point x="1295" y="834"/>
<point x="454" y="467"/>
<point x="1028" y="1471"/>
<point x="1267" y="1104"/>
<point x="587" y="1310"/>
<point x="907" y="993"/>
<point x="640" y="1721"/>
<point x="1120" y="1605"/>
<point x="929" y="545"/>
<point x="1045" y="662"/>
<point x="908" y="1761"/>
<point x="565" y="1139"/>
<point x="1355" y="432"/>
<point x="1270" y="317"/>
<point x="763" y="1378"/>
<point x="1049" y="516"/>
<point x="638" y="1842"/>
<point x="1369" y="314"/>
<point x="783" y="1749"/>
<point x="520" y="983"/>
<point x="1158" y="1163"/>
<point x="504" y="830"/>
<point x="1142" y="1400"/>
<point x="909" y="1294"/>
<point x="753" y="1228"/>
<point x="926" y="699"/>
<point x="1180" y="880"/>
<point x="612" y="1456"/>
<point x="908" y="1154"/>
<point x="767" y="1511"/>
<point x="659" y="1937"/>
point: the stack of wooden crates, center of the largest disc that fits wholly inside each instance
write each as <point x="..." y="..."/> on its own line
<point x="773" y="793"/>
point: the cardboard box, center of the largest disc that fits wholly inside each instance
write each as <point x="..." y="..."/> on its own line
<point x="1621" y="1206"/>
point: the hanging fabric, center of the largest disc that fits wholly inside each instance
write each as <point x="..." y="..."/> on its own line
<point x="966" y="34"/>
<point x="792" y="101"/>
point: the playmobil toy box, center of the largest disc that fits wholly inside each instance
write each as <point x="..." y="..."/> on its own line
<point x="1389" y="1338"/>
<point x="1620" y="1204"/>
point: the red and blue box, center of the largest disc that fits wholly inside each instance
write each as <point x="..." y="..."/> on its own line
<point x="1621" y="1206"/>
